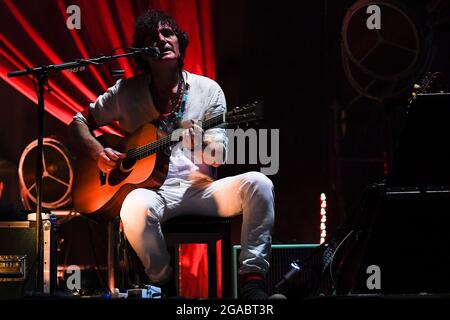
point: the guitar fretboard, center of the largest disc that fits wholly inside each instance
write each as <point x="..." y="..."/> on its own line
<point x="161" y="144"/>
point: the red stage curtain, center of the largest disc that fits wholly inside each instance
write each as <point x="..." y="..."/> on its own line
<point x="35" y="32"/>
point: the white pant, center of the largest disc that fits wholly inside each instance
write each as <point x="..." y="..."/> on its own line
<point x="250" y="194"/>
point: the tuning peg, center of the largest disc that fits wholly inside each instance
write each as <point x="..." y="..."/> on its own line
<point x="417" y="86"/>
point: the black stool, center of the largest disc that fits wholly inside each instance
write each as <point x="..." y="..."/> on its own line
<point x="180" y="230"/>
<point x="207" y="230"/>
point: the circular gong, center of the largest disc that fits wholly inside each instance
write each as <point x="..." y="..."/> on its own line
<point x="57" y="175"/>
<point x="384" y="48"/>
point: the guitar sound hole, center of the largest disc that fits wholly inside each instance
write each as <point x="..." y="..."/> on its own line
<point x="128" y="163"/>
<point x="118" y="175"/>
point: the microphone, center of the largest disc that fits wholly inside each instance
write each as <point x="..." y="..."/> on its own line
<point x="149" y="51"/>
<point x="288" y="277"/>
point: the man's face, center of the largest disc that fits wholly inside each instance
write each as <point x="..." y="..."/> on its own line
<point x="166" y="41"/>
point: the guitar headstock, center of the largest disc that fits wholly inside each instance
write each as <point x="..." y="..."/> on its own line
<point x="431" y="82"/>
<point x="251" y="112"/>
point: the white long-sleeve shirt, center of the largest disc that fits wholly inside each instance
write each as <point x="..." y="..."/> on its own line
<point x="129" y="102"/>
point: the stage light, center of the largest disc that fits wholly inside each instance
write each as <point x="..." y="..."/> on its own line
<point x="323" y="218"/>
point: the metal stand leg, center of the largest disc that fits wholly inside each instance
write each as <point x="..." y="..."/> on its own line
<point x="111" y="256"/>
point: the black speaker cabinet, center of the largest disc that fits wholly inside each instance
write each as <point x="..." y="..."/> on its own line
<point x="408" y="242"/>
<point x="421" y="157"/>
<point x="18" y="259"/>
<point x="403" y="230"/>
<point x="281" y="257"/>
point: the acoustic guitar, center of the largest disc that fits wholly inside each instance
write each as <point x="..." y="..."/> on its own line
<point x="100" y="195"/>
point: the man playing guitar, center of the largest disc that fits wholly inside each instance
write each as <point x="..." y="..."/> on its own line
<point x="169" y="97"/>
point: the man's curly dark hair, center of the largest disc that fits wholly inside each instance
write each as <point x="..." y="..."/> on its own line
<point x="146" y="25"/>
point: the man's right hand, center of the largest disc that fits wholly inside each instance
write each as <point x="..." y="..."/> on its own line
<point x="108" y="159"/>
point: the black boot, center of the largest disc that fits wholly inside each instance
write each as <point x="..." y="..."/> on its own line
<point x="169" y="289"/>
<point x="252" y="287"/>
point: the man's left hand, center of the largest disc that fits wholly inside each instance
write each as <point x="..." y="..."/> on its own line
<point x="193" y="133"/>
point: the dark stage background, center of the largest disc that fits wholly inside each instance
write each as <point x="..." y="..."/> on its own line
<point x="333" y="139"/>
<point x="290" y="58"/>
<point x="268" y="52"/>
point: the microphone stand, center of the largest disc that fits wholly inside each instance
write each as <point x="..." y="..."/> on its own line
<point x="41" y="74"/>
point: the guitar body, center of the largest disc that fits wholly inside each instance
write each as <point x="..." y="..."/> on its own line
<point x="101" y="198"/>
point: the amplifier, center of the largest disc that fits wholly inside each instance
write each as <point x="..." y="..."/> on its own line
<point x="407" y="242"/>
<point x="281" y="257"/>
<point x="18" y="263"/>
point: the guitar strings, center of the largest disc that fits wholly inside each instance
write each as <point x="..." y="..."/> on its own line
<point x="146" y="150"/>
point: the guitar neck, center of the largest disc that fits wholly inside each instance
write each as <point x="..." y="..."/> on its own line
<point x="161" y="144"/>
